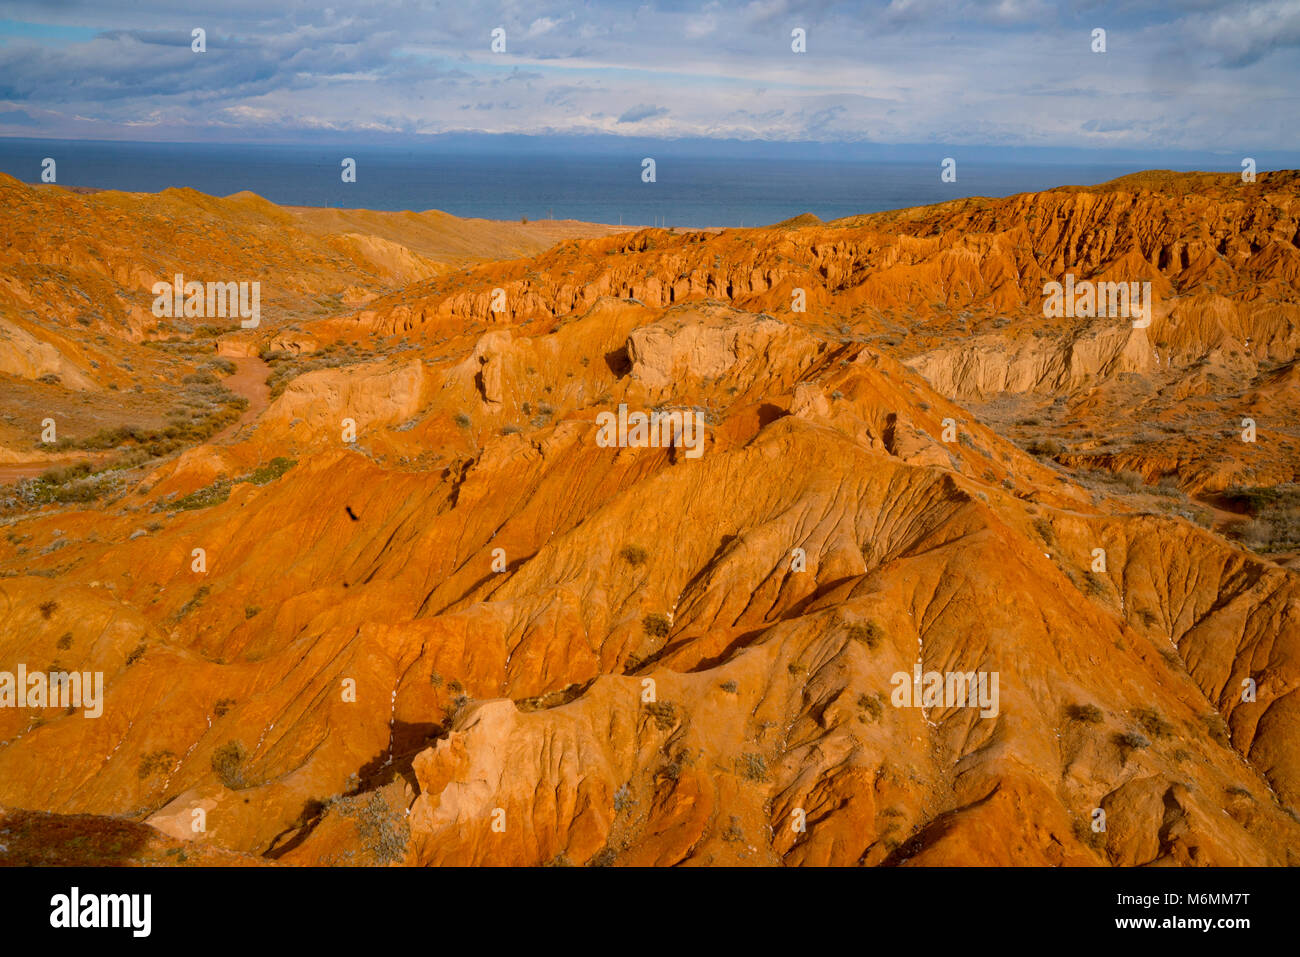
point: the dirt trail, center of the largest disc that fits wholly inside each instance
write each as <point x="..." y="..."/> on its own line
<point x="13" y="473"/>
<point x="1223" y="518"/>
<point x="249" y="380"/>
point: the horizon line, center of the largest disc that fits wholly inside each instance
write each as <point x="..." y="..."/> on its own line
<point x="1011" y="155"/>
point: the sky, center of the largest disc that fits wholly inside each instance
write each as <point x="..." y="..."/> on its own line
<point x="1189" y="75"/>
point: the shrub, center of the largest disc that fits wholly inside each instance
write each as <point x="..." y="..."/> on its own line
<point x="271" y="470"/>
<point x="673" y="769"/>
<point x="1084" y="833"/>
<point x="623" y="798"/>
<point x="1087" y="713"/>
<point x="48" y="608"/>
<point x="155" y="762"/>
<point x="1131" y="480"/>
<point x="214" y="494"/>
<point x="1218" y="729"/>
<point x="604" y="858"/>
<point x="227" y="764"/>
<point x="70" y="473"/>
<point x="1153" y="723"/>
<point x="453" y="710"/>
<point x="135" y="654"/>
<point x="1274" y="524"/>
<point x="222" y="707"/>
<point x="1044" y="447"/>
<point x="873" y="705"/>
<point x="634" y="555"/>
<point x="664" y="714"/>
<point x="1132" y="741"/>
<point x="64" y="642"/>
<point x="383" y="831"/>
<point x="196" y="599"/>
<point x="753" y="767"/>
<point x="655" y="625"/>
<point x="866" y="633"/>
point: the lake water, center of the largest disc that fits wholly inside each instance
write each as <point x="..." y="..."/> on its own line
<point x="690" y="190"/>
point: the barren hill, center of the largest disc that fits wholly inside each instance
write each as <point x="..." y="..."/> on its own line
<point x="410" y="609"/>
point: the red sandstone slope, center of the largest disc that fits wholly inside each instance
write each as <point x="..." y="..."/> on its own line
<point x="657" y="676"/>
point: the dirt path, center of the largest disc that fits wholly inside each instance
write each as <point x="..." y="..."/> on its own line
<point x="17" y="471"/>
<point x="13" y="473"/>
<point x="249" y="380"/>
<point x="1223" y="519"/>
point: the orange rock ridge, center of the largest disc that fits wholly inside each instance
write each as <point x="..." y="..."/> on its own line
<point x="435" y="622"/>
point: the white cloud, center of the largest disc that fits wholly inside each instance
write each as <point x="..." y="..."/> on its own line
<point x="905" y="71"/>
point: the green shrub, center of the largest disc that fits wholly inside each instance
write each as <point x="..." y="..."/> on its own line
<point x="271" y="470"/>
<point x="214" y="494"/>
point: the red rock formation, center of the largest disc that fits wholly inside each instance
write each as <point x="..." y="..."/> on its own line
<point x="436" y="622"/>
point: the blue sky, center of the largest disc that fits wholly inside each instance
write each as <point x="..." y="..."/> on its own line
<point x="1191" y="75"/>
